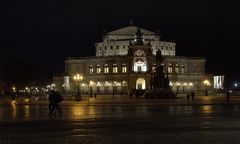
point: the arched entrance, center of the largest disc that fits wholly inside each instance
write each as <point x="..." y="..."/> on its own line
<point x="140" y="84"/>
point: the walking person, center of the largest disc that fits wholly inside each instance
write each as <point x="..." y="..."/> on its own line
<point x="30" y="97"/>
<point x="130" y="94"/>
<point x="192" y="95"/>
<point x="51" y="101"/>
<point x="188" y="97"/>
<point x="228" y="96"/>
<point x="13" y="96"/>
<point x="57" y="98"/>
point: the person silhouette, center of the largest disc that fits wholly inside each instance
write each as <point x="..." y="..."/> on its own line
<point x="51" y="101"/>
<point x="228" y="96"/>
<point x="192" y="95"/>
<point x="54" y="100"/>
<point x="188" y="97"/>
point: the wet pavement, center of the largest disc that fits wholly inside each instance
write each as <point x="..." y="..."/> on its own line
<point x="122" y="121"/>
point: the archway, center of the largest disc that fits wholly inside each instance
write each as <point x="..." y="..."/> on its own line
<point x="140" y="84"/>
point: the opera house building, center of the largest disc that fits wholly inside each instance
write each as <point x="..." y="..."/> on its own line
<point x="125" y="61"/>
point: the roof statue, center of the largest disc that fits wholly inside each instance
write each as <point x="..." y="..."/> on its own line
<point x="139" y="36"/>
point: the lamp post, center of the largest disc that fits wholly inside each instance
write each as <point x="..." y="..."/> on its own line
<point x="14" y="92"/>
<point x="206" y="83"/>
<point x="14" y="89"/>
<point x="78" y="78"/>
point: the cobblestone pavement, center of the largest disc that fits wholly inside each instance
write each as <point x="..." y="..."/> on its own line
<point x="121" y="124"/>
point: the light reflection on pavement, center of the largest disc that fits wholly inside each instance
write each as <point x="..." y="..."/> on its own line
<point x="103" y="124"/>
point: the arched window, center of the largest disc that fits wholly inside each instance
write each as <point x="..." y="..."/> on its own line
<point x="91" y="69"/>
<point x="124" y="83"/>
<point x="106" y="87"/>
<point x="106" y="68"/>
<point x="124" y="68"/>
<point x="98" y="69"/>
<point x="183" y="69"/>
<point x="140" y="66"/>
<point x="141" y="84"/>
<point x="177" y="68"/>
<point x="98" y="87"/>
<point x="115" y="68"/>
<point x="170" y="68"/>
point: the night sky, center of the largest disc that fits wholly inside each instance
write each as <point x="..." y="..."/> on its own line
<point x="37" y="36"/>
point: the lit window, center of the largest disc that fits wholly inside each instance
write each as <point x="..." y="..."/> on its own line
<point x="115" y="69"/>
<point x="176" y="68"/>
<point x="140" y="66"/>
<point x="106" y="68"/>
<point x="98" y="69"/>
<point x="170" y="68"/>
<point x="183" y="68"/>
<point x="91" y="69"/>
<point x="124" y="68"/>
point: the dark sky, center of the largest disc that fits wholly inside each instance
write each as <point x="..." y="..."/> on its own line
<point x="37" y="36"/>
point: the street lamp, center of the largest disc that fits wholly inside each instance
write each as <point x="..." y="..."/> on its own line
<point x="78" y="78"/>
<point x="206" y="83"/>
<point x="14" y="89"/>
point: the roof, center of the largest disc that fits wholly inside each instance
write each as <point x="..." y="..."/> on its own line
<point x="130" y="31"/>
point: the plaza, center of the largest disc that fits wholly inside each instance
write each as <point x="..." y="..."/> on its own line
<point x="105" y="120"/>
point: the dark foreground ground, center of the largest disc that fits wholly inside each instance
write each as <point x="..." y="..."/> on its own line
<point x="206" y="120"/>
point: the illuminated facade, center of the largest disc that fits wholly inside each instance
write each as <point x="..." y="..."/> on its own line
<point x="218" y="82"/>
<point x="122" y="64"/>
